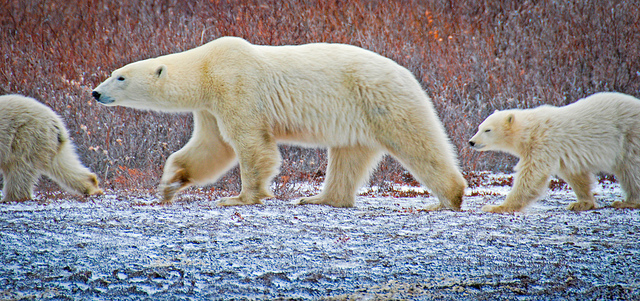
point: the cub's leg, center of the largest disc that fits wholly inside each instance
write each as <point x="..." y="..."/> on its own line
<point x="18" y="183"/>
<point x="347" y="170"/>
<point x="581" y="185"/>
<point x="531" y="181"/>
<point x="259" y="159"/>
<point x="202" y="160"/>
<point x="629" y="178"/>
<point x="67" y="170"/>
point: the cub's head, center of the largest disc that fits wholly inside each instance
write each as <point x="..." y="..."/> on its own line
<point x="91" y="185"/>
<point x="496" y="132"/>
<point x="137" y="85"/>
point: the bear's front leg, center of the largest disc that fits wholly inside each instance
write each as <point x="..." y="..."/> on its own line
<point x="529" y="184"/>
<point x="259" y="160"/>
<point x="202" y="160"/>
<point x="173" y="181"/>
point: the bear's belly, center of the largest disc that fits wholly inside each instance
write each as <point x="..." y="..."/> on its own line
<point x="326" y="137"/>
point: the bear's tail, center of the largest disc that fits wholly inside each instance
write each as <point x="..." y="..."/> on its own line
<point x="67" y="170"/>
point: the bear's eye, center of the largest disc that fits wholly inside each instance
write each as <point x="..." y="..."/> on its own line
<point x="121" y="78"/>
<point x="486" y="131"/>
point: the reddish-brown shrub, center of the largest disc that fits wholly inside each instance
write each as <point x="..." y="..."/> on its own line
<point x="472" y="57"/>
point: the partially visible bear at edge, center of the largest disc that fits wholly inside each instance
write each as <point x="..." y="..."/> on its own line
<point x="33" y="142"/>
<point x="600" y="133"/>
<point x="245" y="98"/>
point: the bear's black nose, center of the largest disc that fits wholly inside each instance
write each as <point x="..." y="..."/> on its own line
<point x="470" y="142"/>
<point x="96" y="95"/>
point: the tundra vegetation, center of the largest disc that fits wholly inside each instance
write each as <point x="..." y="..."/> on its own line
<point x="471" y="57"/>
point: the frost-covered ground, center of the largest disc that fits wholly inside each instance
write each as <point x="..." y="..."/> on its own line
<point x="117" y="247"/>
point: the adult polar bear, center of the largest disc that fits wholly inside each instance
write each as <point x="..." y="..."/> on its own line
<point x="246" y="97"/>
<point x="600" y="133"/>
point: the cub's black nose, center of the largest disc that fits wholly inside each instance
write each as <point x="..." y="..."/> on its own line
<point x="95" y="95"/>
<point x="470" y="142"/>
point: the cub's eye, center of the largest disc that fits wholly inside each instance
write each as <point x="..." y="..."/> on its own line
<point x="486" y="131"/>
<point x="121" y="78"/>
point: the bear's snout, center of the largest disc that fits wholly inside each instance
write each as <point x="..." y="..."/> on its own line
<point x="475" y="145"/>
<point x="96" y="95"/>
<point x="105" y="100"/>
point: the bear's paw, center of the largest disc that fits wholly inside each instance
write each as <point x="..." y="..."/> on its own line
<point x="581" y="206"/>
<point x="168" y="191"/>
<point x="318" y="200"/>
<point x="434" y="207"/>
<point x="498" y="209"/>
<point x="625" y="205"/>
<point x="238" y="201"/>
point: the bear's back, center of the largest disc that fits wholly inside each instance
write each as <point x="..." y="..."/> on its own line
<point x="590" y="133"/>
<point x="26" y="125"/>
<point x="17" y="110"/>
<point x="606" y="103"/>
<point x="605" y="109"/>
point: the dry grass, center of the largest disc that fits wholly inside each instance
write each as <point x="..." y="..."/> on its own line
<point x="471" y="56"/>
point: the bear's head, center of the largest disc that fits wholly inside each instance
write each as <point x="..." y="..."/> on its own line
<point x="137" y="85"/>
<point x="496" y="132"/>
<point x="91" y="185"/>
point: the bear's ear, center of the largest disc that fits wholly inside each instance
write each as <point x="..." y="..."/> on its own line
<point x="510" y="119"/>
<point x="161" y="71"/>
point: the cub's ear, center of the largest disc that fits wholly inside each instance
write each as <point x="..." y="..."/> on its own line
<point x="161" y="71"/>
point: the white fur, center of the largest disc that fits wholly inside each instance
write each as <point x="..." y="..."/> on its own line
<point x="600" y="133"/>
<point x="34" y="141"/>
<point x="247" y="97"/>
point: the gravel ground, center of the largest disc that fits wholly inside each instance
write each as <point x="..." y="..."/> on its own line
<point x="116" y="247"/>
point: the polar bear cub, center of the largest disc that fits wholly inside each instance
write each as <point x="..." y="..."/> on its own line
<point x="246" y="98"/>
<point x="600" y="133"/>
<point x="34" y="141"/>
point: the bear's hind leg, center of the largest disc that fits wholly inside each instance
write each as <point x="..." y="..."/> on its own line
<point x="18" y="184"/>
<point x="581" y="185"/>
<point x="348" y="168"/>
<point x="629" y="178"/>
<point x="444" y="180"/>
<point x="437" y="170"/>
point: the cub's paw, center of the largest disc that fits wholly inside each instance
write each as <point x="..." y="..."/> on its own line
<point x="625" y="205"/>
<point x="91" y="186"/>
<point x="96" y="192"/>
<point x="238" y="201"/>
<point x="497" y="209"/>
<point x="581" y="206"/>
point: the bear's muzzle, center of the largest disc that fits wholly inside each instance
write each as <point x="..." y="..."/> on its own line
<point x="102" y="99"/>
